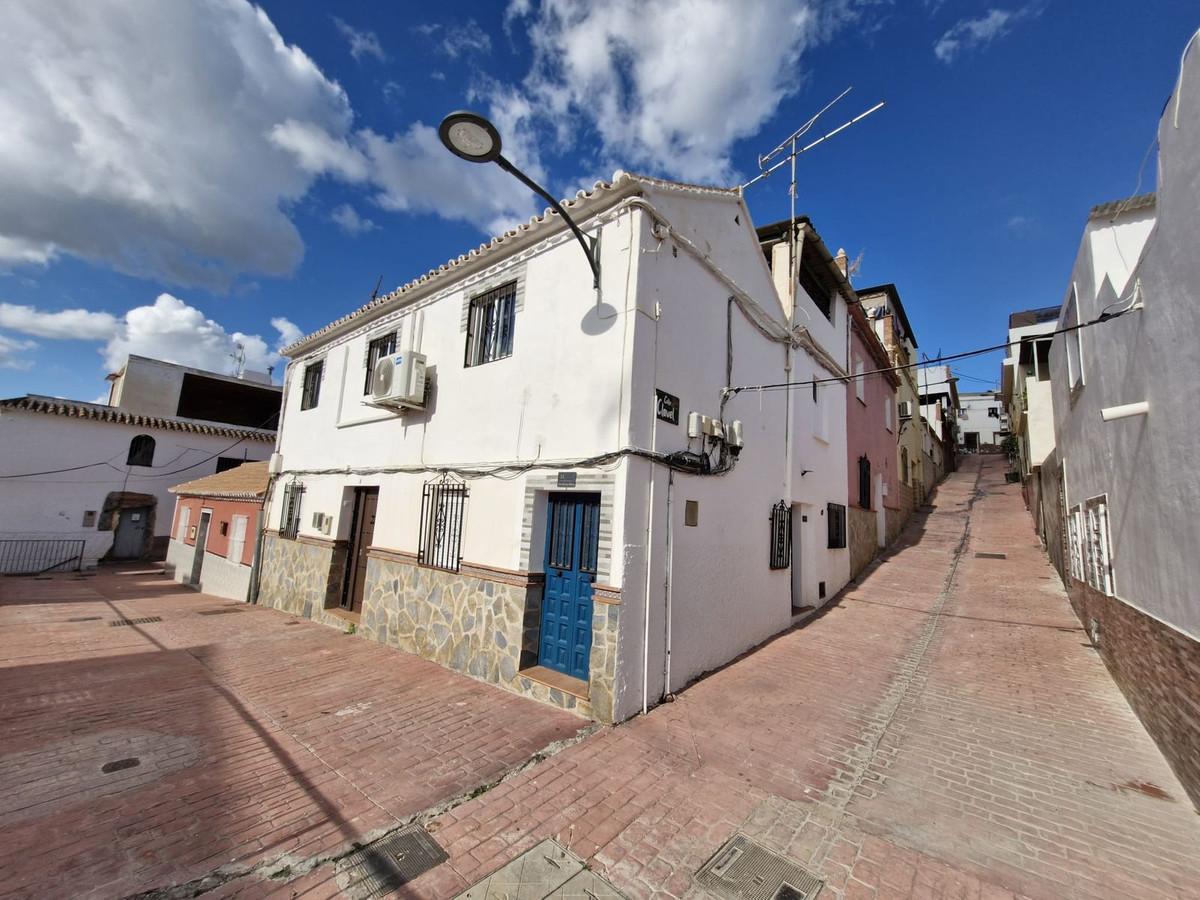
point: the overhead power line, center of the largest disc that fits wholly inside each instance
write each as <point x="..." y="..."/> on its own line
<point x="948" y="357"/>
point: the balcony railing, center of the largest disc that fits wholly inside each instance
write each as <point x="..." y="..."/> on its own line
<point x="26" y="556"/>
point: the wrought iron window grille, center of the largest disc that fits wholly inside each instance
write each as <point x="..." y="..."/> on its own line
<point x="443" y="504"/>
<point x="781" y="536"/>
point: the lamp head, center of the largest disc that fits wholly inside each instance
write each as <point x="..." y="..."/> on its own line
<point x="470" y="136"/>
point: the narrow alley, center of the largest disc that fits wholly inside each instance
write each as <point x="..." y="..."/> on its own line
<point x="944" y="729"/>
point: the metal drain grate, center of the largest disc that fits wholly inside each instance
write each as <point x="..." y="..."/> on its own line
<point x="145" y="620"/>
<point x="130" y="762"/>
<point x="991" y="556"/>
<point x="217" y="612"/>
<point x="748" y="871"/>
<point x="85" y="619"/>
<point x="391" y="862"/>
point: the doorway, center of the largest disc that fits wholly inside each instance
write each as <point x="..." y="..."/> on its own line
<point x="799" y="521"/>
<point x="201" y="541"/>
<point x="972" y="441"/>
<point x="362" y="533"/>
<point x="130" y="539"/>
<point x="572" y="547"/>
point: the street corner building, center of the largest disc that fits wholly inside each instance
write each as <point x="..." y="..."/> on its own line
<point x="554" y="488"/>
<point x="84" y="482"/>
<point x="214" y="535"/>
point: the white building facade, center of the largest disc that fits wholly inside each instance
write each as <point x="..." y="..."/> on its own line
<point x="982" y="420"/>
<point x="555" y="519"/>
<point x="1124" y="482"/>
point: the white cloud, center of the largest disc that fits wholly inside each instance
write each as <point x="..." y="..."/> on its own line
<point x="167" y="329"/>
<point x="317" y="151"/>
<point x="362" y="43"/>
<point x="347" y="218"/>
<point x="455" y="40"/>
<point x="139" y="135"/>
<point x="670" y="87"/>
<point x="1020" y="224"/>
<point x="971" y="34"/>
<point x="66" y="324"/>
<point x="10" y="353"/>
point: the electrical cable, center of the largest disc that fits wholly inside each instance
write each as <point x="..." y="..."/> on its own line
<point x="106" y="462"/>
<point x="783" y="385"/>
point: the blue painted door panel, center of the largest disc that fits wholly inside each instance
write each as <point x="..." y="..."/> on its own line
<point x="572" y="540"/>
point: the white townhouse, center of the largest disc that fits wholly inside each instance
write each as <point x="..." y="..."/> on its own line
<point x="548" y="486"/>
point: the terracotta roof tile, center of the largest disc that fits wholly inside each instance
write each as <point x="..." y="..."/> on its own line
<point x="247" y="481"/>
<point x="80" y="410"/>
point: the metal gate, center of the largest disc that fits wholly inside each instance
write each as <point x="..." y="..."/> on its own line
<point x="35" y="556"/>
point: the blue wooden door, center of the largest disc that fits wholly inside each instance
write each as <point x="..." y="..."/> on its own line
<point x="572" y="539"/>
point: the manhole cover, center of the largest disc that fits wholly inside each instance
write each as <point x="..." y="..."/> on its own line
<point x="749" y="871"/>
<point x="119" y="764"/>
<point x="391" y="862"/>
<point x="991" y="556"/>
<point x="217" y="612"/>
<point x="145" y="620"/>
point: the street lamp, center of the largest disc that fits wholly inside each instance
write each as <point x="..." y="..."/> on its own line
<point x="471" y="137"/>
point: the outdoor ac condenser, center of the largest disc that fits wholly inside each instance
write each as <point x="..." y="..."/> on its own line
<point x="399" y="380"/>
<point x="905" y="407"/>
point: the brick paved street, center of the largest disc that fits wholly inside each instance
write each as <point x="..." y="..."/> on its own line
<point x="943" y="730"/>
<point x="258" y="736"/>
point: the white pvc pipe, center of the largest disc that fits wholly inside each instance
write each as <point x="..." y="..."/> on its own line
<point x="1124" y="412"/>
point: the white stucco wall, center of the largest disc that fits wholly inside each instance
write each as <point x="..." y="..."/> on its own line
<point x="1145" y="464"/>
<point x="1039" y="420"/>
<point x="973" y="416"/>
<point x="52" y="505"/>
<point x="581" y="382"/>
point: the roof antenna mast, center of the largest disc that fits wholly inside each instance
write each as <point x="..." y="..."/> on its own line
<point x="375" y="292"/>
<point x="791" y="144"/>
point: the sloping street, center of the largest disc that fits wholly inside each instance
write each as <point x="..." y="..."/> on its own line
<point x="943" y="729"/>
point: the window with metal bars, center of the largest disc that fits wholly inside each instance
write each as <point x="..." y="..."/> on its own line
<point x="377" y="349"/>
<point x="312" y="384"/>
<point x="781" y="536"/>
<point x="490" y="324"/>
<point x="442" y="506"/>
<point x="836" y="514"/>
<point x="864" y="482"/>
<point x="289" y="525"/>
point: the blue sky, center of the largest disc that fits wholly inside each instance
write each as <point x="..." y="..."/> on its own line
<point x="182" y="177"/>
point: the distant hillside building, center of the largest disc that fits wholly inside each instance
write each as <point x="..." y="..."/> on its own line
<point x="81" y="482"/>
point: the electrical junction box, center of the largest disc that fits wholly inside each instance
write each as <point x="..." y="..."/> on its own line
<point x="695" y="425"/>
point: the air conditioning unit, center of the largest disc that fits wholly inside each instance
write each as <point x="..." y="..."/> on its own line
<point x="399" y="380"/>
<point x="905" y="409"/>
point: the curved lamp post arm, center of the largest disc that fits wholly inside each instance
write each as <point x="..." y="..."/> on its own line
<point x="590" y="245"/>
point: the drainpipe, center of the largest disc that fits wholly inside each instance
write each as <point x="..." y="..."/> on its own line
<point x="667" y="584"/>
<point x="649" y="531"/>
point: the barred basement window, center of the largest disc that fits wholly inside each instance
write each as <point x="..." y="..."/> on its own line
<point x="836" y="513"/>
<point x="312" y="384"/>
<point x="289" y="525"/>
<point x="1098" y="551"/>
<point x="781" y="536"/>
<point x="442" y="506"/>
<point x="490" y="324"/>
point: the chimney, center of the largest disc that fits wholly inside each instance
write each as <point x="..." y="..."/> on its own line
<point x="843" y="263"/>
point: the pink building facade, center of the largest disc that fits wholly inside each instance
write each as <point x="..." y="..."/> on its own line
<point x="872" y="427"/>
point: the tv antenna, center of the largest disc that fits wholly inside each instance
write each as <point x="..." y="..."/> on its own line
<point x="375" y="292"/>
<point x="239" y="358"/>
<point x="768" y="163"/>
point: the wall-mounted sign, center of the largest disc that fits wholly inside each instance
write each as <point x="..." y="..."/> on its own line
<point x="666" y="407"/>
<point x="566" y="479"/>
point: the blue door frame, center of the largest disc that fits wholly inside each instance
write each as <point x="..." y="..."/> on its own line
<point x="572" y="543"/>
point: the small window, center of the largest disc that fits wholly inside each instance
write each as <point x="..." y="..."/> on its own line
<point x="864" y="482"/>
<point x="836" y="513"/>
<point x="993" y="412"/>
<point x="490" y="324"/>
<point x="781" y="536"/>
<point x="904" y="464"/>
<point x="1074" y="342"/>
<point x="1075" y="547"/>
<point x="141" y="451"/>
<point x="293" y="496"/>
<point x="1097" y="550"/>
<point x="887" y="412"/>
<point x="860" y="382"/>
<point x="377" y="349"/>
<point x="185" y="518"/>
<point x="442" y="506"/>
<point x="312" y="384"/>
<point x="237" y="542"/>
